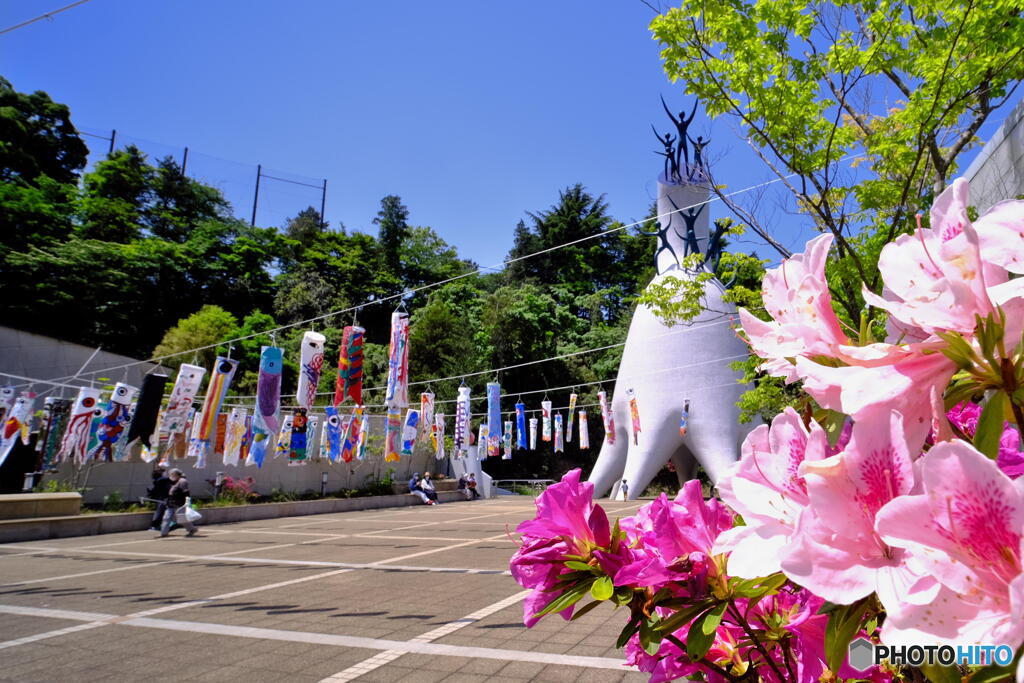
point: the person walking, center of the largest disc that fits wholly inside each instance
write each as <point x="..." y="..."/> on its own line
<point x="471" y="485"/>
<point x="158" y="493"/>
<point x="176" y="498"/>
<point x="427" y="486"/>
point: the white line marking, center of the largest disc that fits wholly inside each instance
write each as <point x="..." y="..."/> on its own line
<point x="405" y="647"/>
<point x="304" y="563"/>
<point x="437" y="550"/>
<point x="93" y="573"/>
<point x="50" y="634"/>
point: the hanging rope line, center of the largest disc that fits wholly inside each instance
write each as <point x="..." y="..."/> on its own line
<point x="439" y="283"/>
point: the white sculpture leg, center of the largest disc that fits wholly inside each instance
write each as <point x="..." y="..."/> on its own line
<point x="666" y="365"/>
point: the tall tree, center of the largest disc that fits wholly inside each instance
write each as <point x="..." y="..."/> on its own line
<point x="595" y="262"/>
<point x="37" y="138"/>
<point x="305" y="226"/>
<point x="393" y="223"/>
<point x="116" y="197"/>
<point x="861" y="109"/>
<point x="179" y="203"/>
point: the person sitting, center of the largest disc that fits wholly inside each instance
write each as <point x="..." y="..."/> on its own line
<point x="158" y="494"/>
<point x="177" y="496"/>
<point x="471" y="485"/>
<point x="414" y="488"/>
<point x="427" y="486"/>
<point x="464" y="487"/>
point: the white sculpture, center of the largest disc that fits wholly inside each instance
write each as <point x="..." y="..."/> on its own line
<point x="666" y="366"/>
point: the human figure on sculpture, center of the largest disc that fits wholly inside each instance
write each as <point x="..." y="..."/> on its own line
<point x="671" y="165"/>
<point x="698" y="156"/>
<point x="690" y="217"/>
<point x="682" y="124"/>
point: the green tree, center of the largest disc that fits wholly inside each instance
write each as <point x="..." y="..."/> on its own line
<point x="116" y="196"/>
<point x="393" y="227"/>
<point x="37" y="138"/>
<point x="596" y="262"/>
<point x="305" y="227"/>
<point x="901" y="89"/>
<point x="207" y="326"/>
<point x="179" y="203"/>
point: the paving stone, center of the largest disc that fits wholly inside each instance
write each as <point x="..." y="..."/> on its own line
<point x="274" y="564"/>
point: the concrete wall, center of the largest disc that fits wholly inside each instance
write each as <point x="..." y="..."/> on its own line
<point x="998" y="171"/>
<point x="133" y="477"/>
<point x="36" y="356"/>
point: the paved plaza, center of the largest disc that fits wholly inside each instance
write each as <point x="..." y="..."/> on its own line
<point x="411" y="594"/>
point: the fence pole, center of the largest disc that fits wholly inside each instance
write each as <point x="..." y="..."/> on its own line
<point x="323" y="205"/>
<point x="184" y="161"/>
<point x="113" y="136"/>
<point x="256" y="195"/>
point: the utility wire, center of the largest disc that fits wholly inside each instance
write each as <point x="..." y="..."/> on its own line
<point x="439" y="283"/>
<point x="48" y="15"/>
<point x="530" y="392"/>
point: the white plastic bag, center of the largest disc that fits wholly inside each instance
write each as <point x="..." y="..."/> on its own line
<point x="186" y="513"/>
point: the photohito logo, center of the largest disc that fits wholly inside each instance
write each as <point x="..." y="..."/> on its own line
<point x="863" y="654"/>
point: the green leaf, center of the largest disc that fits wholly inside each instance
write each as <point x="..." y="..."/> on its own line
<point x="992" y="674"/>
<point x="697" y="641"/>
<point x="759" y="587"/>
<point x="712" y="619"/>
<point x="650" y="637"/>
<point x="940" y="674"/>
<point x="579" y="566"/>
<point x="603" y="588"/>
<point x="565" y="600"/>
<point x="627" y="632"/>
<point x="682" y="617"/>
<point x="623" y="595"/>
<point x="843" y="624"/>
<point x="990" y="425"/>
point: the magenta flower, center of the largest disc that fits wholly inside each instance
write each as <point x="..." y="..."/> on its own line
<point x="836" y="553"/>
<point x="965" y="528"/>
<point x="672" y="541"/>
<point x="965" y="416"/>
<point x="568" y="523"/>
<point x="764" y="487"/>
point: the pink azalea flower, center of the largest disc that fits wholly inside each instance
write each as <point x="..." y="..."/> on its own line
<point x="935" y="278"/>
<point x="836" y="553"/>
<point x="903" y="385"/>
<point x="567" y="523"/>
<point x="766" y="490"/>
<point x="965" y="528"/>
<point x="672" y="541"/>
<point x="796" y="296"/>
<point x="1000" y="232"/>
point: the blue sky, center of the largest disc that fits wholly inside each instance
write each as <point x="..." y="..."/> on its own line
<point x="472" y="112"/>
